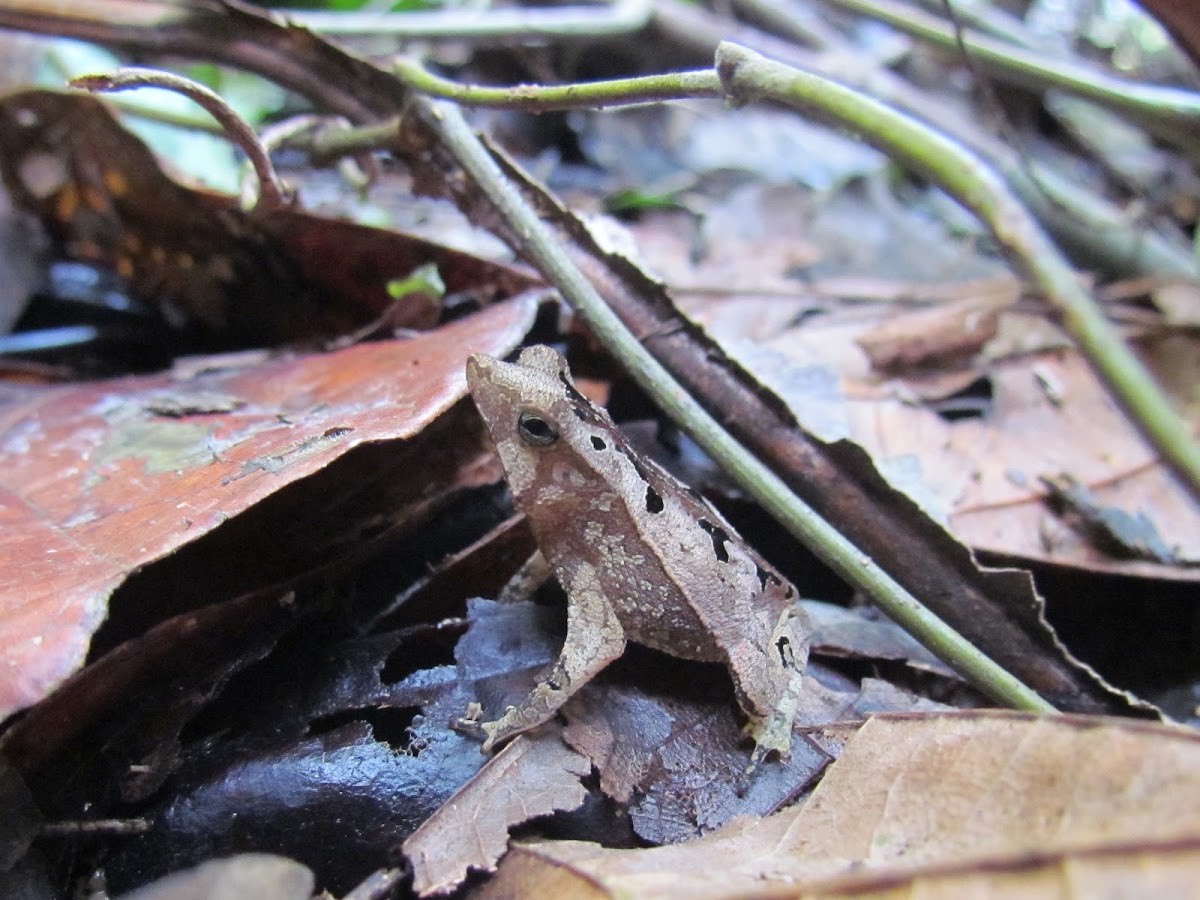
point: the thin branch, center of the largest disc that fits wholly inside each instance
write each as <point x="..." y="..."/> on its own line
<point x="271" y="192"/>
<point x="547" y="98"/>
<point x="73" y="829"/>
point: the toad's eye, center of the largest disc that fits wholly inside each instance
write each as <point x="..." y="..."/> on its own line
<point x="535" y="430"/>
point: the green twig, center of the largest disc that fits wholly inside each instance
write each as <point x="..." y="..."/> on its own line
<point x="538" y="245"/>
<point x="750" y="77"/>
<point x="546" y="98"/>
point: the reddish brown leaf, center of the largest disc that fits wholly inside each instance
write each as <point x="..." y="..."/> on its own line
<point x="96" y="483"/>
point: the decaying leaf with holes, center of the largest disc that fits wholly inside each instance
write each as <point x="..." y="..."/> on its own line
<point x="207" y="267"/>
<point x="641" y="557"/>
<point x="218" y="275"/>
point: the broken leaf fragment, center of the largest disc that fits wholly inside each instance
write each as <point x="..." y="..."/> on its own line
<point x="532" y="776"/>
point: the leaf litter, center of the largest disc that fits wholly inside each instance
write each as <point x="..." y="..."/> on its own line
<point x="310" y="692"/>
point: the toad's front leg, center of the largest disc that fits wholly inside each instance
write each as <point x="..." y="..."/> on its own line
<point x="594" y="639"/>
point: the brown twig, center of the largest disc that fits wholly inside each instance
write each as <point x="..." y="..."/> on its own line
<point x="272" y="194"/>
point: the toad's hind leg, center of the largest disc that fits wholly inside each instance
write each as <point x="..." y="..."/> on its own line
<point x="594" y="639"/>
<point x="767" y="678"/>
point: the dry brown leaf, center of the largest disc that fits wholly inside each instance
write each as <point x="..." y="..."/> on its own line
<point x="942" y="334"/>
<point x="1048" y="415"/>
<point x="920" y="799"/>
<point x="534" y="775"/>
<point x="1120" y="872"/>
<point x="100" y="479"/>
